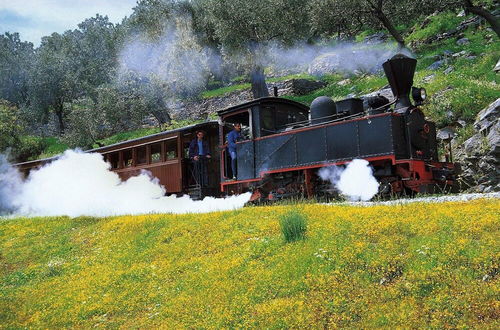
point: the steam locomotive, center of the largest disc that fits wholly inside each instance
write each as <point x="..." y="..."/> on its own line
<point x="284" y="144"/>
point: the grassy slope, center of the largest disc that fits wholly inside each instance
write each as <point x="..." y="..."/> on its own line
<point x="407" y="265"/>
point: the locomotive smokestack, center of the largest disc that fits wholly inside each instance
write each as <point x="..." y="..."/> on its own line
<point x="400" y="70"/>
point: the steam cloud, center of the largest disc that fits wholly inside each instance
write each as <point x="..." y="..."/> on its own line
<point x="356" y="181"/>
<point x="80" y="184"/>
<point x="174" y="57"/>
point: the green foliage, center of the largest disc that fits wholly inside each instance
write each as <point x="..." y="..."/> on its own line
<point x="29" y="148"/>
<point x="224" y="90"/>
<point x="128" y="135"/>
<point x="293" y="226"/>
<point x="237" y="87"/>
<point x="16" y="59"/>
<point x="52" y="146"/>
<point x="470" y="87"/>
<point x="138" y="133"/>
<point x="9" y="126"/>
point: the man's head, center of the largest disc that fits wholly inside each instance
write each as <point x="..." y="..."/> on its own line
<point x="200" y="135"/>
<point x="237" y="127"/>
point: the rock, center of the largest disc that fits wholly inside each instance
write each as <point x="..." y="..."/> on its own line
<point x="480" y="154"/>
<point x="447" y="53"/>
<point x="448" y="70"/>
<point x="463" y="41"/>
<point x="385" y="92"/>
<point x="347" y="62"/>
<point x="429" y="78"/>
<point x="471" y="58"/>
<point x="493" y="139"/>
<point x="436" y="65"/>
<point x="462" y="53"/>
<point x="297" y="86"/>
<point x="344" y="82"/>
<point x="497" y="67"/>
<point x="487" y="117"/>
<point x="473" y="145"/>
<point x="461" y="14"/>
<point x="376" y="38"/>
<point x="445" y="133"/>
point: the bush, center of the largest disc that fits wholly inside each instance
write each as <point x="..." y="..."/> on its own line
<point x="293" y="226"/>
<point x="29" y="148"/>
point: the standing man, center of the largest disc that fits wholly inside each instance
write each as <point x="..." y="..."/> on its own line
<point x="199" y="152"/>
<point x="232" y="138"/>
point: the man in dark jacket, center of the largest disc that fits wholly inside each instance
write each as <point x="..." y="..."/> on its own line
<point x="199" y="152"/>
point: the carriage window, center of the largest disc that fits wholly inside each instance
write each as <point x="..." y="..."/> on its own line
<point x="171" y="149"/>
<point x="156" y="153"/>
<point x="127" y="158"/>
<point x="141" y="155"/>
<point x="113" y="159"/>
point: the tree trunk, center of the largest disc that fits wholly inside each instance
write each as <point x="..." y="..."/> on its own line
<point x="162" y="117"/>
<point x="258" y="80"/>
<point x="59" y="111"/>
<point x="390" y="27"/>
<point x="481" y="12"/>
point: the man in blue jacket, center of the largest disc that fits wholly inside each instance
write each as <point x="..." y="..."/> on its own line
<point x="199" y="152"/>
<point x="232" y="138"/>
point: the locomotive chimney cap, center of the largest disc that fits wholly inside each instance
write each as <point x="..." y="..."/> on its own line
<point x="399" y="71"/>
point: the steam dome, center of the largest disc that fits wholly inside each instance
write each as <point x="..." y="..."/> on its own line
<point x="322" y="109"/>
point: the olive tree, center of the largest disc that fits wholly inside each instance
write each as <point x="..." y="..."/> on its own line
<point x="244" y="29"/>
<point x="16" y="57"/>
<point x="349" y="16"/>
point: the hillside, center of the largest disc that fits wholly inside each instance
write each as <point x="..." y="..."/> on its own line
<point x="456" y="55"/>
<point x="414" y="265"/>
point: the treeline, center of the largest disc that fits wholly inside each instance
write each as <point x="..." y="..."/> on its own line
<point x="103" y="78"/>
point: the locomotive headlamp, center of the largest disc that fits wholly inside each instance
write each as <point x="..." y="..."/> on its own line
<point x="418" y="94"/>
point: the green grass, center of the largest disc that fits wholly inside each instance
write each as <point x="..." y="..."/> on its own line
<point x="438" y="24"/>
<point x="138" y="133"/>
<point x="408" y="266"/>
<point x="237" y="87"/>
<point x="129" y="135"/>
<point x="293" y="226"/>
<point x="53" y="147"/>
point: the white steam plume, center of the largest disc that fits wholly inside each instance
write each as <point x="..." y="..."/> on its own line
<point x="175" y="57"/>
<point x="78" y="184"/>
<point x="10" y="185"/>
<point x="343" y="57"/>
<point x="356" y="181"/>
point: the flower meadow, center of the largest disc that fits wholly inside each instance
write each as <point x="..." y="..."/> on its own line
<point x="411" y="265"/>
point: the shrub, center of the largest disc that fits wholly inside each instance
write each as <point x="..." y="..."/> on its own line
<point x="293" y="226"/>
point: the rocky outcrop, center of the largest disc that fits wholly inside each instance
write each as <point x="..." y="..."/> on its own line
<point x="480" y="154"/>
<point x="204" y="108"/>
<point x="349" y="62"/>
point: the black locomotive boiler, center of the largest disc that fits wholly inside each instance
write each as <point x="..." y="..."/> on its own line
<point x="285" y="143"/>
